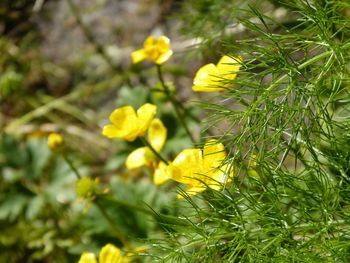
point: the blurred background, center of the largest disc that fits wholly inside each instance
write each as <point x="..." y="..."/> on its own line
<point x="64" y="66"/>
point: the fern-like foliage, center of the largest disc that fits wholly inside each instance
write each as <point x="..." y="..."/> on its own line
<point x="286" y="122"/>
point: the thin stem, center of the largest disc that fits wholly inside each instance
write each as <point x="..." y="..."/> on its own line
<point x="111" y="223"/>
<point x="167" y="218"/>
<point x="304" y="65"/>
<point x="175" y="104"/>
<point x="146" y="143"/>
<point x="101" y="208"/>
<point x="315" y="149"/>
<point x="128" y="205"/>
<point x="71" y="165"/>
<point x="97" y="203"/>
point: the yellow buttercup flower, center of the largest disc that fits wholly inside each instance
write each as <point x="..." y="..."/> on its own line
<point x="109" y="254"/>
<point x="156" y="50"/>
<point x="210" y="76"/>
<point x="55" y="141"/>
<point x="156" y="136"/>
<point x="201" y="169"/>
<point x="128" y="124"/>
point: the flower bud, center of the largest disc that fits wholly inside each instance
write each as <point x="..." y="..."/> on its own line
<point x="55" y="141"/>
<point x="86" y="187"/>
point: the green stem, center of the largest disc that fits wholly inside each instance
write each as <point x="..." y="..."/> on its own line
<point x="99" y="206"/>
<point x="128" y="205"/>
<point x="175" y="104"/>
<point x="111" y="223"/>
<point x="166" y="218"/>
<point x="303" y="65"/>
<point x="71" y="165"/>
<point x="146" y="143"/>
<point x="318" y="151"/>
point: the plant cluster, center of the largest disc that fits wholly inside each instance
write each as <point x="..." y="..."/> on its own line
<point x="256" y="169"/>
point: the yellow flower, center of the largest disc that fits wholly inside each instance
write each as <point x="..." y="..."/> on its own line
<point x="201" y="169"/>
<point x="109" y="254"/>
<point x="55" y="141"/>
<point x="156" y="50"/>
<point x="210" y="76"/>
<point x="128" y="124"/>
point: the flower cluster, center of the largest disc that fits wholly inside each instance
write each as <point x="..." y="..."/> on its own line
<point x="197" y="168"/>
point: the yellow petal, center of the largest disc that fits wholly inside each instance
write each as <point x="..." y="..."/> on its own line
<point x="145" y="115"/>
<point x="138" y="56"/>
<point x="220" y="176"/>
<point x="87" y="257"/>
<point x="157" y="134"/>
<point x="120" y="116"/>
<point x="164" y="50"/>
<point x="187" y="166"/>
<point x="193" y="190"/>
<point x="213" y="154"/>
<point x="164" y="56"/>
<point x="228" y="66"/>
<point x="111" y="131"/>
<point x="125" y="124"/>
<point x="161" y="174"/>
<point x="110" y="254"/>
<point x="149" y="42"/>
<point x="205" y="79"/>
<point x="141" y="156"/>
<point x="163" y="43"/>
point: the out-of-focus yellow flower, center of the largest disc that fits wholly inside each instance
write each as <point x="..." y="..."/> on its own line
<point x="156" y="50"/>
<point x="201" y="169"/>
<point x="210" y="76"/>
<point x="156" y="136"/>
<point x="128" y="124"/>
<point x="109" y="254"/>
<point x="55" y="141"/>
